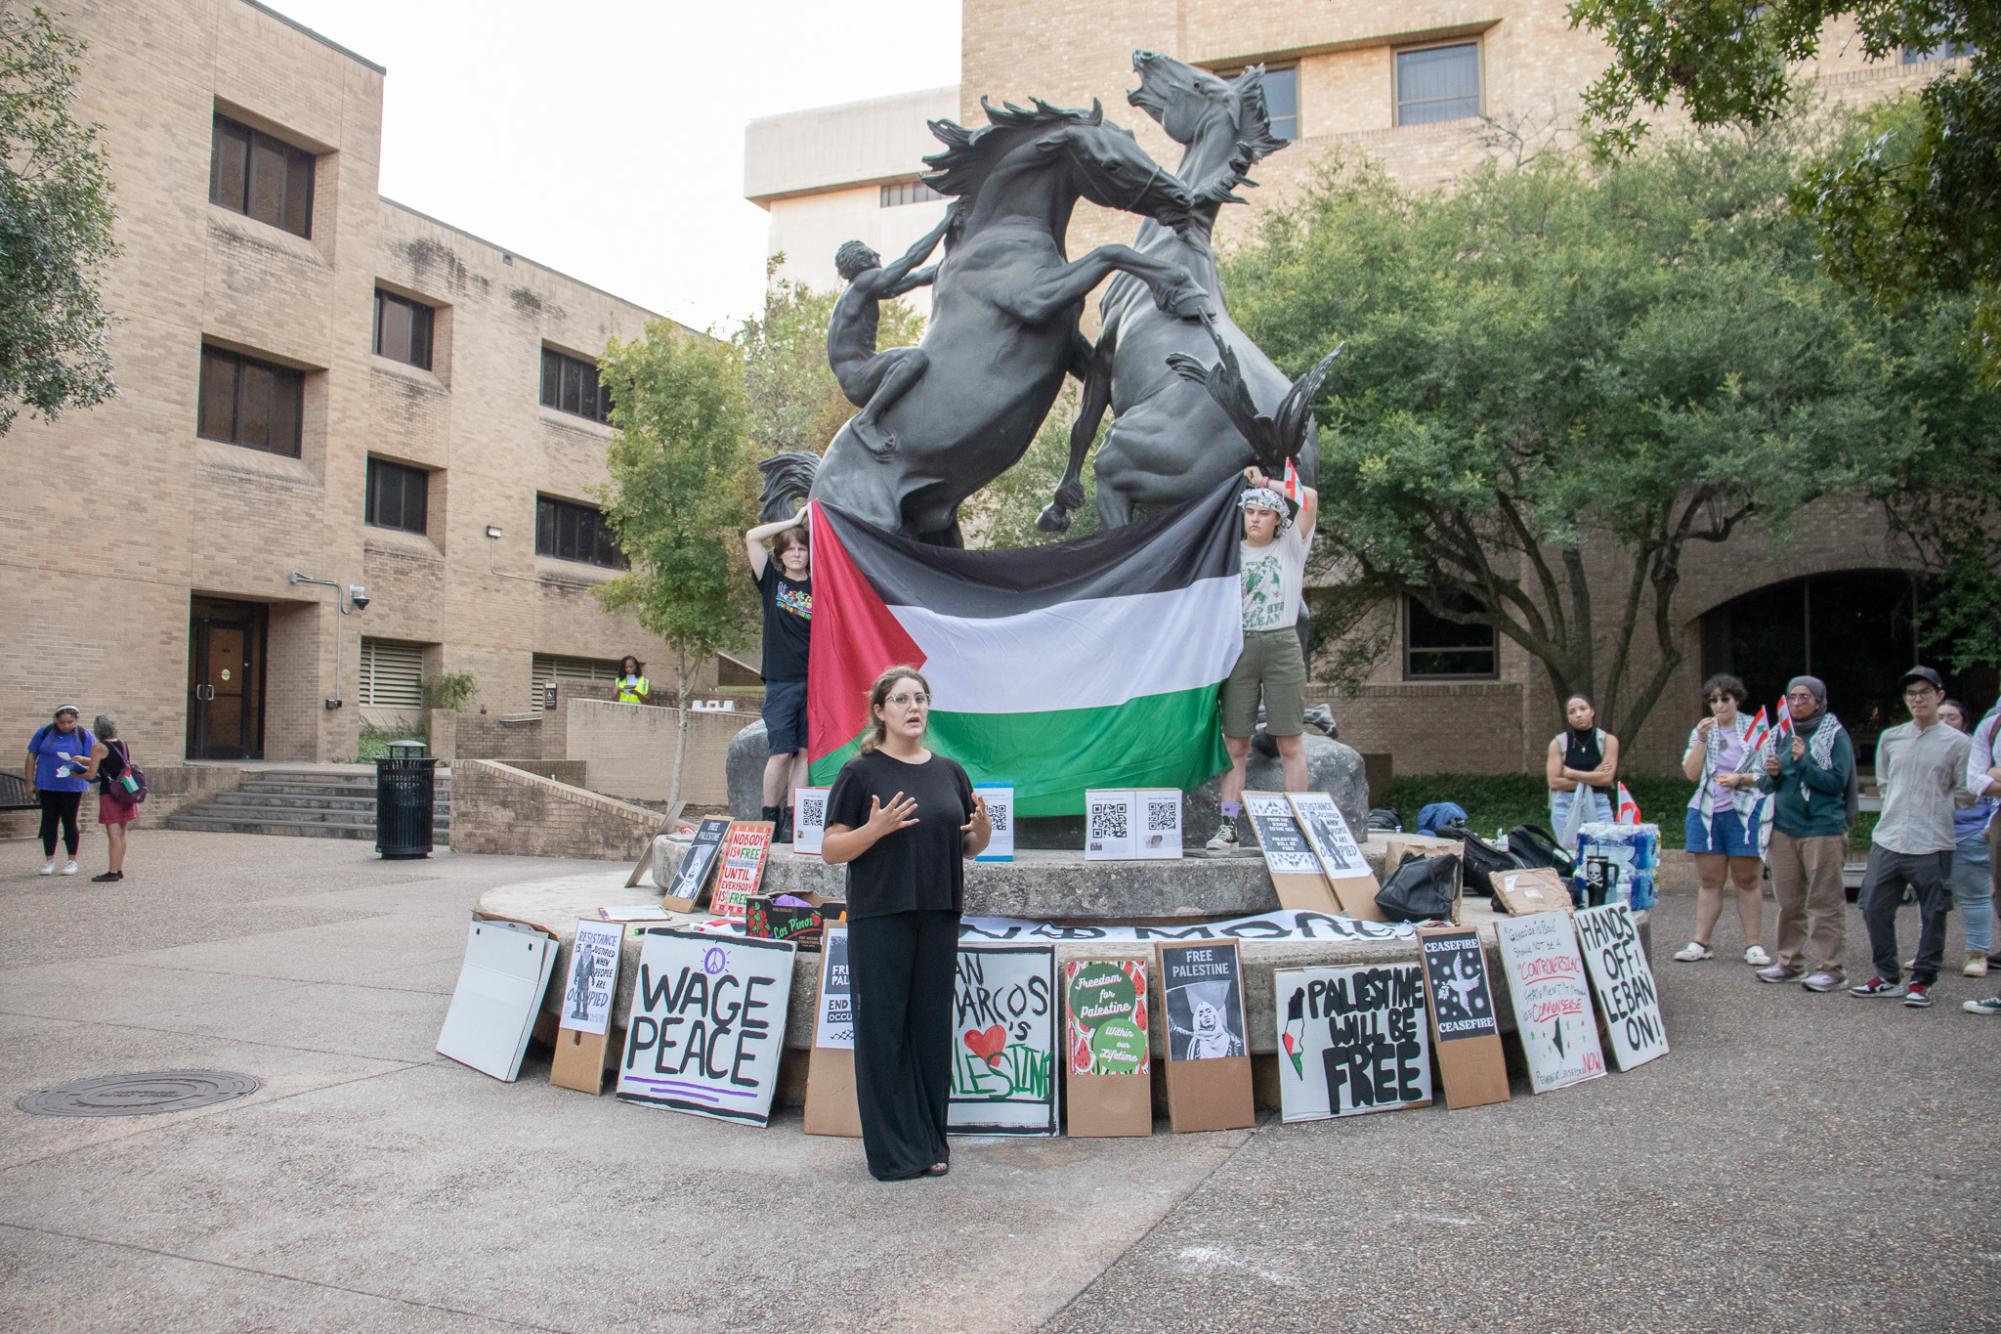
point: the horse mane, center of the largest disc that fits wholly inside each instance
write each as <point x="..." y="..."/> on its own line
<point x="969" y="155"/>
<point x="1254" y="114"/>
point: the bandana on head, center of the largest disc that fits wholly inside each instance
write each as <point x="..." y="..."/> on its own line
<point x="1263" y="497"/>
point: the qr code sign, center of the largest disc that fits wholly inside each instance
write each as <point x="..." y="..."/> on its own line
<point x="1161" y="816"/>
<point x="1000" y="815"/>
<point x="1109" y="822"/>
<point x="813" y="811"/>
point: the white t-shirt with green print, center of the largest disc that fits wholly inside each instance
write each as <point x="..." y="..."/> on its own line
<point x="1274" y="580"/>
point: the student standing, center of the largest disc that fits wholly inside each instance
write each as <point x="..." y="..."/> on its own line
<point x="1921" y="769"/>
<point x="1972" y="878"/>
<point x="109" y="759"/>
<point x="58" y="754"/>
<point x="781" y="565"/>
<point x="1580" y="767"/>
<point x="903" y="820"/>
<point x="1272" y="663"/>
<point x="1983" y="779"/>
<point x="1721" y="826"/>
<point x="1813" y="777"/>
<point x="633" y="687"/>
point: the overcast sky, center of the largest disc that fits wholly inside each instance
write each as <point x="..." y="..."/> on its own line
<point x="604" y="138"/>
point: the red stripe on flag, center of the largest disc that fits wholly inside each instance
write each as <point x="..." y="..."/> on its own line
<point x="855" y="640"/>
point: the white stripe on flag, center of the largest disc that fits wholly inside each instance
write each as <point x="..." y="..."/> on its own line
<point x="1087" y="654"/>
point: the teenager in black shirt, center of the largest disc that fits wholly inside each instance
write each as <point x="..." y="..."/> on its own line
<point x="781" y="565"/>
<point x="903" y="820"/>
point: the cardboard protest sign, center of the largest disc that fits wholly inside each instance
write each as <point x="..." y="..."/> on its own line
<point x="1208" y="1060"/>
<point x="1465" y="1027"/>
<point x="1538" y="889"/>
<point x="499" y="993"/>
<point x="1004" y="1049"/>
<point x="1552" y="1004"/>
<point x="799" y="922"/>
<point x="742" y="868"/>
<point x="707" y="1024"/>
<point x="1340" y="857"/>
<point x="1623" y="981"/>
<point x="1000" y="811"/>
<point x="1294" y="866"/>
<point x="830" y="1067"/>
<point x="1351" y="1040"/>
<point x="1109" y="818"/>
<point x="809" y="819"/>
<point x="587" y="993"/>
<point x="1105" y="1041"/>
<point x="691" y="877"/>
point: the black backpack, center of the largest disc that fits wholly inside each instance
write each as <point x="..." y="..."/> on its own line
<point x="1384" y="819"/>
<point x="1481" y="858"/>
<point x="1421" y="889"/>
<point x="1532" y="845"/>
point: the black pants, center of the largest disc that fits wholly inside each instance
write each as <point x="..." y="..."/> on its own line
<point x="1882" y="886"/>
<point x="905" y="965"/>
<point x="59" y="806"/>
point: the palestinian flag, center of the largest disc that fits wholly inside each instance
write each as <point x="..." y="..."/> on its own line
<point x="1089" y="664"/>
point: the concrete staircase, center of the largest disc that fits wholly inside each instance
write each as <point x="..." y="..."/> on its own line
<point x="305" y="804"/>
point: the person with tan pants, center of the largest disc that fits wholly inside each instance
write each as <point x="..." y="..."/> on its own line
<point x="1813" y="773"/>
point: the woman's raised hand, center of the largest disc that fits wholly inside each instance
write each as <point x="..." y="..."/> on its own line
<point x="981" y="820"/>
<point x="901" y="813"/>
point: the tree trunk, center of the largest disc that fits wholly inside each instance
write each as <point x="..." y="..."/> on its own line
<point x="680" y="729"/>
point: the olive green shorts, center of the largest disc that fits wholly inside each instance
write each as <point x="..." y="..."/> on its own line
<point x="1272" y="661"/>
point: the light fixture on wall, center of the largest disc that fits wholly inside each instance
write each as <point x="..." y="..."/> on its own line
<point x="493" y="531"/>
<point x="347" y="598"/>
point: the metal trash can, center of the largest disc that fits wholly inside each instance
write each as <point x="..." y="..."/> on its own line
<point x="406" y="787"/>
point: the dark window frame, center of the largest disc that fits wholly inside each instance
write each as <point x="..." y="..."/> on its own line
<point x="396" y="495"/>
<point x="239" y="157"/>
<point x="245" y="372"/>
<point x="570" y="384"/>
<point x="573" y="531"/>
<point x="895" y="194"/>
<point x="1400" y="102"/>
<point x="423" y="328"/>
<point x="1283" y="125"/>
<point x="1454" y="641"/>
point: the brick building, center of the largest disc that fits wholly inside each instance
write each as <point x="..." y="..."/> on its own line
<point x="1428" y="89"/>
<point x="312" y="380"/>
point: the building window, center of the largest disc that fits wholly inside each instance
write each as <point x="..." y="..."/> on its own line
<point x="1917" y="55"/>
<point x="249" y="402"/>
<point x="392" y="674"/>
<point x="402" y="329"/>
<point x="1281" y="97"/>
<point x="570" y="384"/>
<point x="398" y="495"/>
<point x="267" y="179"/>
<point x="569" y="531"/>
<point x="898" y="193"/>
<point x="1438" y="83"/>
<point x="569" y="673"/>
<point x="1435" y="648"/>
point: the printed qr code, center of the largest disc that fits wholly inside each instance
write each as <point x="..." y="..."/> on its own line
<point x="1109" y="822"/>
<point x="813" y="811"/>
<point x="999" y="816"/>
<point x="1161" y="816"/>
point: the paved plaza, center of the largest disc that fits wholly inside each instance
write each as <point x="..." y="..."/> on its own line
<point x="1798" y="1161"/>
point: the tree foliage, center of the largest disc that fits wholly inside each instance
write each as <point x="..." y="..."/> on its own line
<point x="55" y="225"/>
<point x="1559" y="377"/>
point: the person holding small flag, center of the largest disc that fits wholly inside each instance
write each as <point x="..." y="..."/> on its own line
<point x="1811" y="775"/>
<point x="1721" y="826"/>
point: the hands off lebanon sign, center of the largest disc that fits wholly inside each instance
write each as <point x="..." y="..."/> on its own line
<point x="1624" y="984"/>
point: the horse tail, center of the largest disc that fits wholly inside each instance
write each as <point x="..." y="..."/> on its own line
<point x="788" y="480"/>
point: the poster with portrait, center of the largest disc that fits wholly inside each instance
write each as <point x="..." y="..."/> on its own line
<point x="1295" y="868"/>
<point x="1208" y="1069"/>
<point x="1340" y="857"/>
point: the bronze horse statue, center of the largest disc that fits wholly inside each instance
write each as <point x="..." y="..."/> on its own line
<point x="1192" y="402"/>
<point x="1005" y="305"/>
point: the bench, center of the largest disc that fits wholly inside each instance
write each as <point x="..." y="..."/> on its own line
<point x="14" y="794"/>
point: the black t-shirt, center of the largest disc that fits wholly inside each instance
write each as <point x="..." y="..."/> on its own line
<point x="788" y="615"/>
<point x="922" y="867"/>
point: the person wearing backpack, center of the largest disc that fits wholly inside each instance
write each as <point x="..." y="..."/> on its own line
<point x="117" y="801"/>
<point x="57" y="756"/>
<point x="1721" y="828"/>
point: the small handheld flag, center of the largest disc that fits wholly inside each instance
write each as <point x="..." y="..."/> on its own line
<point x="1291" y="484"/>
<point x="1629" y="810"/>
<point x="1785" y="721"/>
<point x="1760" y="733"/>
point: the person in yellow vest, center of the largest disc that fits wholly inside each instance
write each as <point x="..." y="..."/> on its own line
<point x="633" y="687"/>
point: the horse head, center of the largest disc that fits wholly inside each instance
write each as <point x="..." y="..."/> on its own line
<point x="1108" y="167"/>
<point x="1185" y="100"/>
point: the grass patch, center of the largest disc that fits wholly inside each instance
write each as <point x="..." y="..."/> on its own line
<point x="373" y="743"/>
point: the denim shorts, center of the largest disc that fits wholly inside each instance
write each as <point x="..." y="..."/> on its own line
<point x="785" y="716"/>
<point x="1728" y="834"/>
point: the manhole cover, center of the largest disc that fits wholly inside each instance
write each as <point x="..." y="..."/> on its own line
<point x="139" y="1095"/>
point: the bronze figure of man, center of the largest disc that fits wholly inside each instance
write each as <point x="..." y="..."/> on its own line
<point x="873" y="380"/>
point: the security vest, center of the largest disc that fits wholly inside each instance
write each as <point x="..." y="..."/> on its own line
<point x="633" y="690"/>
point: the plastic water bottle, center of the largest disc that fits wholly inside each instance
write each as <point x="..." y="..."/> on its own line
<point x="1501" y="838"/>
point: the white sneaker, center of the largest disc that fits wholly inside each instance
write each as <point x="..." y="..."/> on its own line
<point x="1756" y="956"/>
<point x="48" y="869"/>
<point x="69" y="867"/>
<point x="1693" y="952"/>
<point x="1224" y="839"/>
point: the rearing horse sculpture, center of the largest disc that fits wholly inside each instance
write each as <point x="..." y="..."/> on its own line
<point x="1005" y="305"/>
<point x="1173" y="435"/>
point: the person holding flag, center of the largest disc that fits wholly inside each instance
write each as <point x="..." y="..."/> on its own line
<point x="1721" y="826"/>
<point x="1812" y="776"/>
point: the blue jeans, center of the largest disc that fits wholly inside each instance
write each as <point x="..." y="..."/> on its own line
<point x="1972" y="882"/>
<point x="1599" y="811"/>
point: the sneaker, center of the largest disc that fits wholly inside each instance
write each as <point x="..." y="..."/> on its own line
<point x="108" y="877"/>
<point x="1693" y="952"/>
<point x="48" y="868"/>
<point x="1756" y="956"/>
<point x="1777" y="972"/>
<point x="1992" y="1005"/>
<point x="69" y="867"/>
<point x="1976" y="965"/>
<point x="1822" y="981"/>
<point x="1224" y="839"/>
<point x="1876" y="986"/>
<point x="1918" y="995"/>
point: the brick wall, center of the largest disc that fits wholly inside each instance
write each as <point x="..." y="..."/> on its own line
<point x="630" y="749"/>
<point x="505" y="811"/>
<point x="169" y="788"/>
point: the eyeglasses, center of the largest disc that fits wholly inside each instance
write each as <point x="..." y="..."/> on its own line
<point x="1800" y="696"/>
<point x="1921" y="692"/>
<point x="1722" y="699"/>
<point x="919" y="700"/>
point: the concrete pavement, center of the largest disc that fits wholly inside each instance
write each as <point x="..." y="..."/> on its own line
<point x="1798" y="1161"/>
